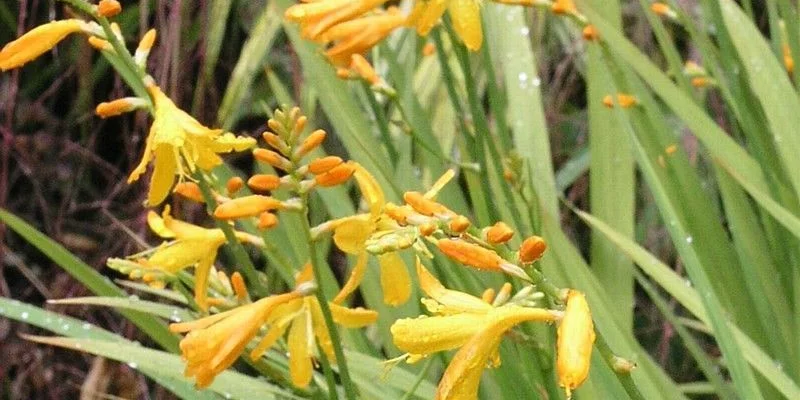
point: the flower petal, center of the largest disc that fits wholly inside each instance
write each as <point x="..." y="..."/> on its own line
<point x="466" y="15"/>
<point x="425" y="335"/>
<point x="395" y="281"/>
<point x="163" y="175"/>
<point x="452" y="301"/>
<point x="463" y="375"/>
<point x="300" y="367"/>
<point x="352" y="317"/>
<point x="356" y="276"/>
<point x="351" y="235"/>
<point x="370" y="189"/>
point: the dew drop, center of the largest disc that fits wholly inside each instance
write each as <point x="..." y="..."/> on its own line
<point x="65" y="327"/>
<point x="536" y="81"/>
<point x="86" y="326"/>
<point x="524" y="31"/>
<point x="688" y="283"/>
<point x="133" y="297"/>
<point x="133" y="365"/>
<point x="522" y="77"/>
<point x="689" y="239"/>
<point x="24" y="315"/>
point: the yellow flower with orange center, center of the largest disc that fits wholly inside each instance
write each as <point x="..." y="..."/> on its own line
<point x="466" y="16"/>
<point x="179" y="145"/>
<point x="460" y="321"/>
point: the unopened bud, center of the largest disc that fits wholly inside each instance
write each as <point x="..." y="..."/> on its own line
<point x="239" y="287"/>
<point x="190" y="190"/>
<point x="312" y="142"/>
<point x="622" y="365"/>
<point x="423" y="205"/>
<point x="109" y="8"/>
<point x="503" y="295"/>
<point x="563" y="7"/>
<point x="575" y="338"/>
<point x="624" y="100"/>
<point x="471" y="254"/>
<point x="100" y="44"/>
<point x="233" y="185"/>
<point x="272" y="158"/>
<point x="498" y="233"/>
<point x="488" y="295"/>
<point x="427" y="229"/>
<point x="143" y="50"/>
<point x="247" y="206"/>
<point x="267" y="220"/>
<point x="336" y="175"/>
<point x="590" y="33"/>
<point x="324" y="164"/>
<point x="459" y="224"/>
<point x="663" y="10"/>
<point x="276" y="142"/>
<point x="532" y="249"/>
<point x="113" y="108"/>
<point x="264" y="182"/>
<point x="428" y="49"/>
<point x="364" y="69"/>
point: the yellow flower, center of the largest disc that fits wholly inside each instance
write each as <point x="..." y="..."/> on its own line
<point x="193" y="246"/>
<point x="303" y="319"/>
<point x="216" y="341"/>
<point x="316" y="17"/>
<point x="460" y="321"/>
<point x="575" y="339"/>
<point x="180" y="145"/>
<point x="466" y="15"/>
<point x="359" y="35"/>
<point x="39" y="40"/>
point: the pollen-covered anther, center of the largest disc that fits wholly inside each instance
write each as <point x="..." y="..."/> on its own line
<point x="459" y="224"/>
<point x="247" y="206"/>
<point x="272" y="158"/>
<point x="532" y="249"/>
<point x="324" y="164"/>
<point x="267" y="220"/>
<point x="337" y="175"/>
<point x="663" y="10"/>
<point x="234" y="185"/>
<point x="116" y="107"/>
<point x="471" y="254"/>
<point x="310" y="143"/>
<point x="264" y="182"/>
<point x="109" y="8"/>
<point x="190" y="190"/>
<point x="590" y="33"/>
<point x="498" y="233"/>
<point x="425" y="206"/>
<point x="100" y="44"/>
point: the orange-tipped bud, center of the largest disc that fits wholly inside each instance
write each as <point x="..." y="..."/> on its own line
<point x="423" y="205"/>
<point x="671" y="149"/>
<point x="275" y="141"/>
<point x="788" y="61"/>
<point x="427" y="229"/>
<point x="590" y="33"/>
<point x="143" y="50"/>
<point x="109" y="8"/>
<point x="574" y="344"/>
<point x="563" y="7"/>
<point x="312" y="142"/>
<point x="190" y="190"/>
<point x="239" y="287"/>
<point x="508" y="175"/>
<point x="397" y="213"/>
<point x="498" y="233"/>
<point x="663" y="10"/>
<point x="471" y="254"/>
<point x="336" y="175"/>
<point x="700" y="81"/>
<point x="267" y="220"/>
<point x="624" y="100"/>
<point x="532" y="249"/>
<point x="247" y="206"/>
<point x="264" y="182"/>
<point x="488" y="295"/>
<point x="324" y="164"/>
<point x="100" y="44"/>
<point x="272" y="158"/>
<point x="364" y="69"/>
<point x="343" y="73"/>
<point x="459" y="224"/>
<point x="234" y="185"/>
<point x="428" y="49"/>
<point x="36" y="42"/>
<point x="117" y="107"/>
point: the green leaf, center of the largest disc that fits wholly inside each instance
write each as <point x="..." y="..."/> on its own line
<point x="172" y="313"/>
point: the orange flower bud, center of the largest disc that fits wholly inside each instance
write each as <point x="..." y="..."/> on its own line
<point x="274" y="141"/>
<point x="459" y="224"/>
<point x="532" y="249"/>
<point x="234" y="185"/>
<point x="671" y="149"/>
<point x="471" y="254"/>
<point x="100" y="44"/>
<point x="239" y="286"/>
<point x="624" y="100"/>
<point x="662" y="10"/>
<point x="590" y="33"/>
<point x="116" y="107"/>
<point x="427" y="229"/>
<point x="312" y="141"/>
<point x="267" y="220"/>
<point x="788" y="61"/>
<point x="364" y="69"/>
<point x="508" y="175"/>
<point x="190" y="190"/>
<point x="272" y="158"/>
<point x="336" y="175"/>
<point x="700" y="81"/>
<point x="428" y="49"/>
<point x="109" y="8"/>
<point x="488" y="295"/>
<point x="423" y="205"/>
<point x="562" y="7"/>
<point x="324" y="164"/>
<point x="264" y="182"/>
<point x="498" y="233"/>
<point x="574" y="344"/>
<point x="247" y="206"/>
<point x="397" y="213"/>
<point x="147" y="41"/>
<point x="37" y="41"/>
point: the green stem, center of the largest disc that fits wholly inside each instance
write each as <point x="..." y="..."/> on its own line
<point x="624" y="377"/>
<point x="349" y="388"/>
<point x="328" y="371"/>
<point x="239" y="253"/>
<point x="420" y="378"/>
<point x="383" y="123"/>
